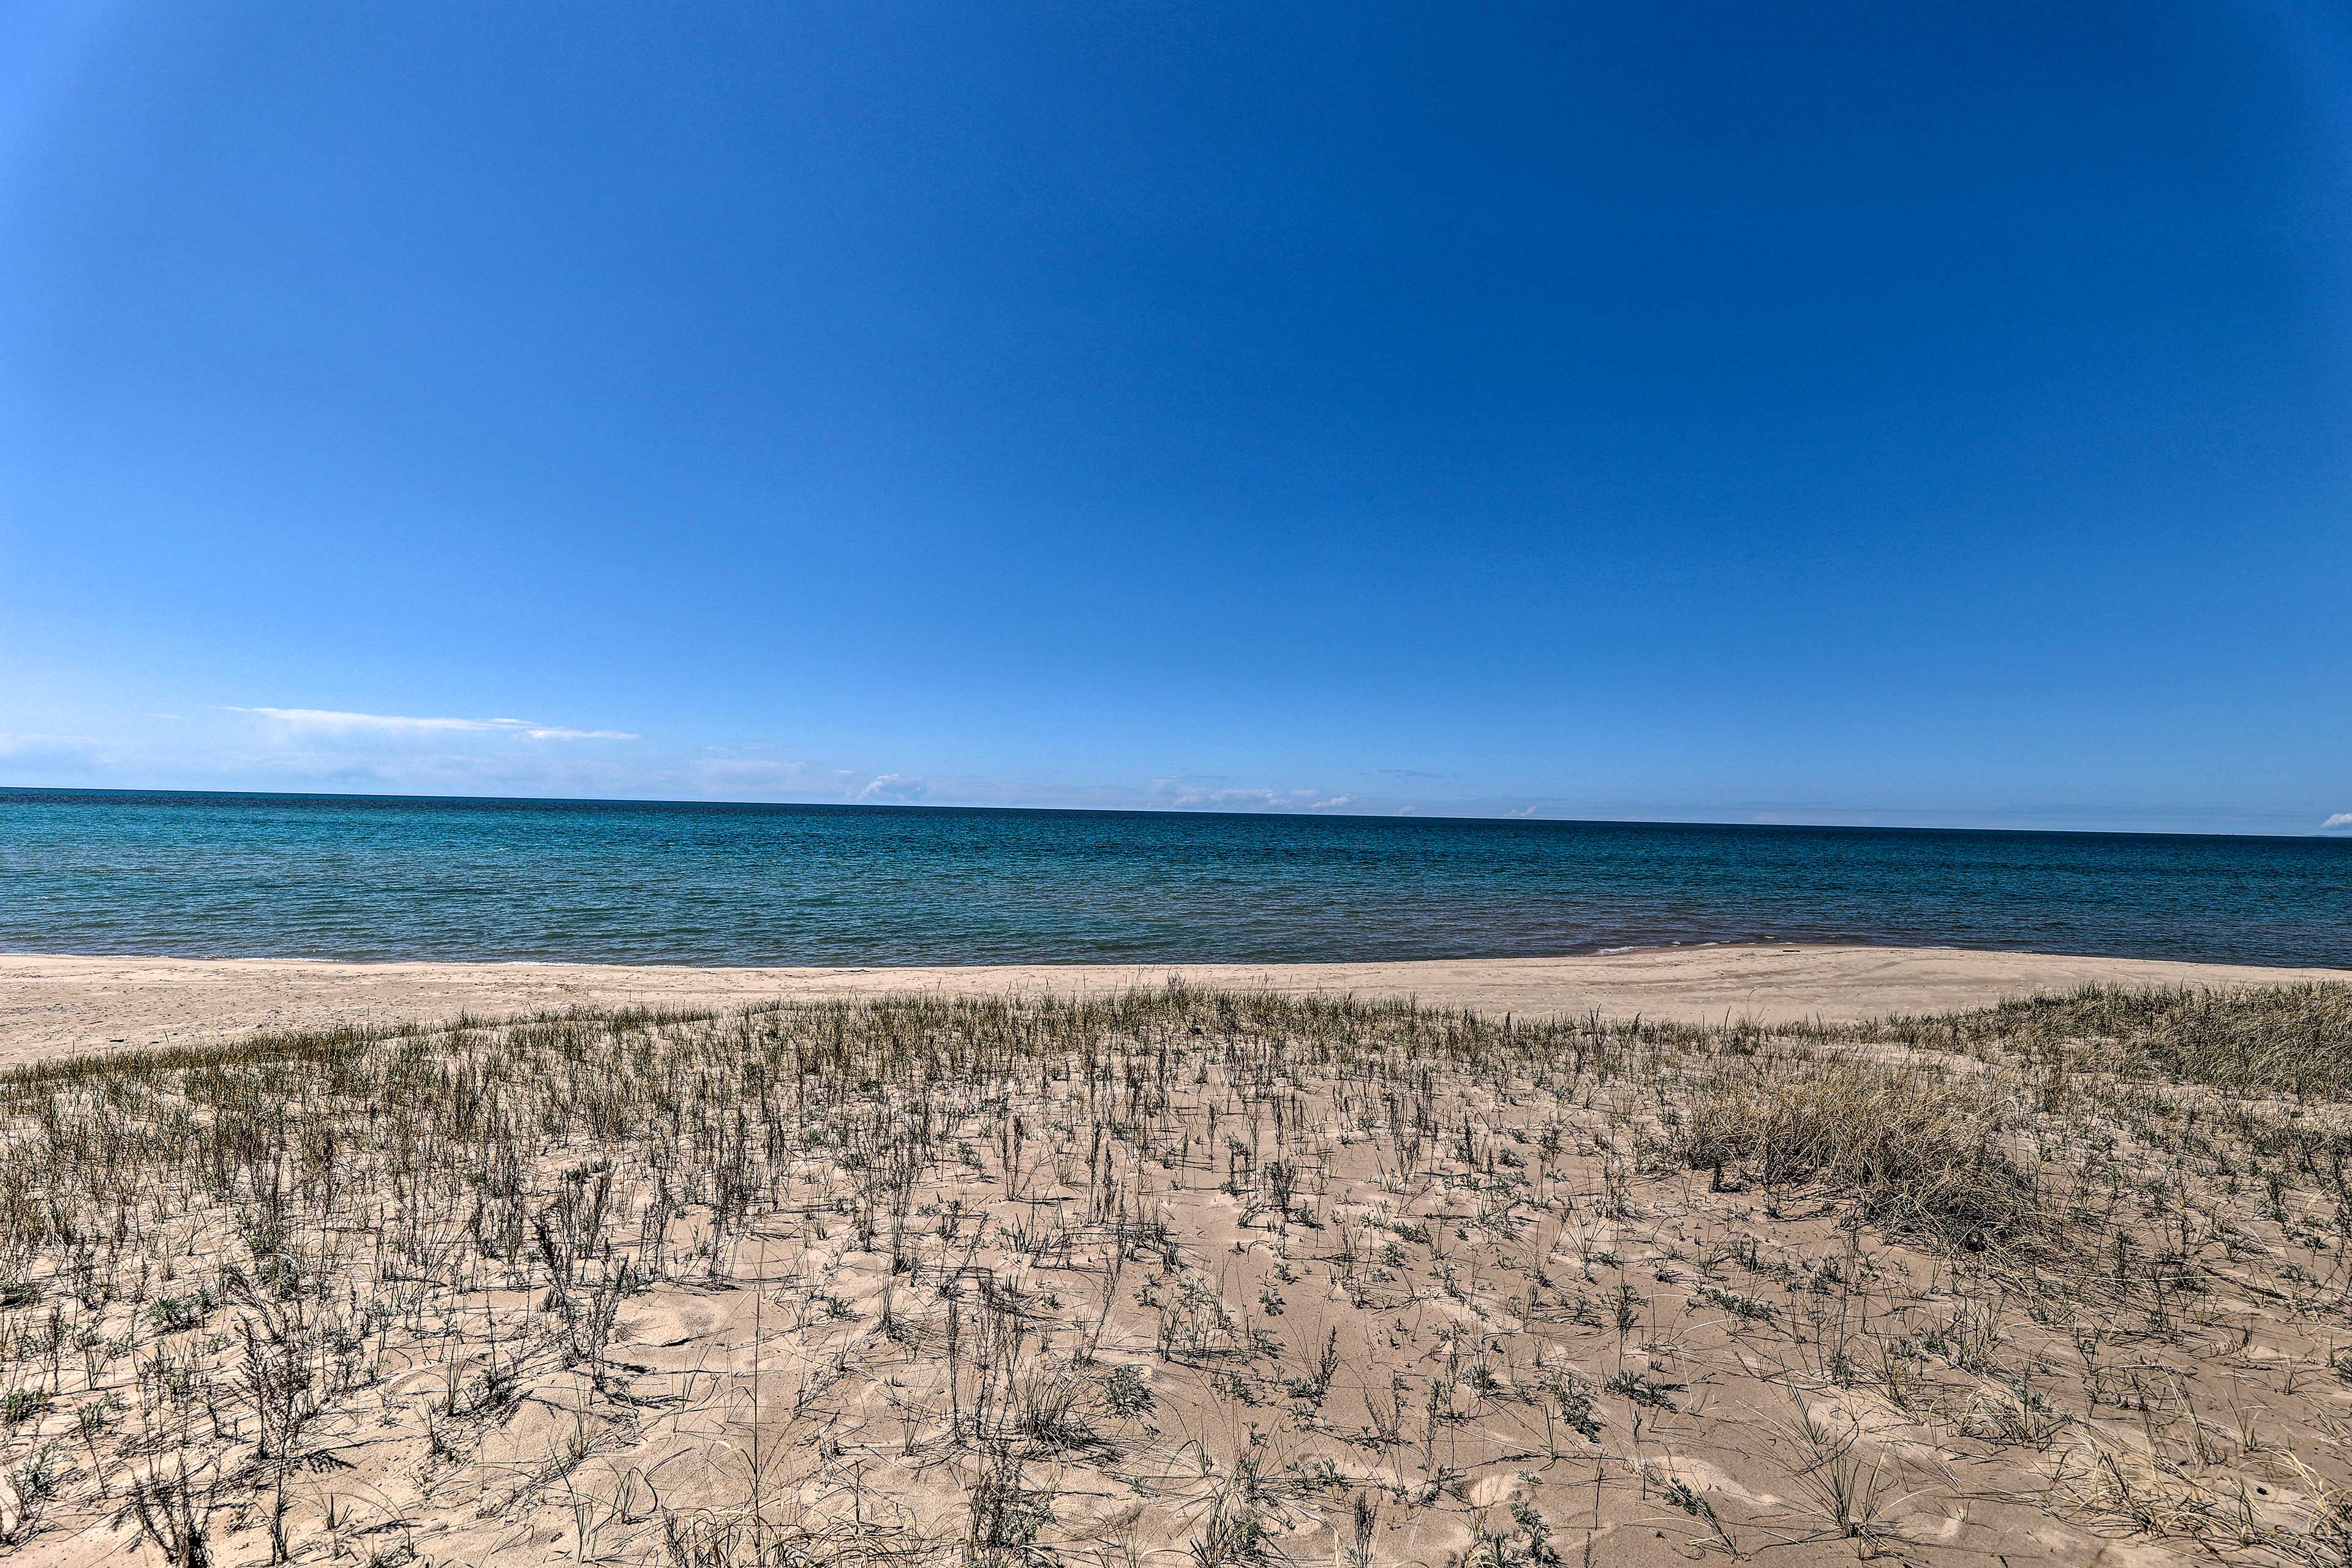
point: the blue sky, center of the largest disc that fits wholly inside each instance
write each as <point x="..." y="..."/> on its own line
<point x="1874" y="414"/>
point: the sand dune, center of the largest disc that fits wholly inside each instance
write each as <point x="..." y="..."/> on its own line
<point x="1194" y="1278"/>
<point x="54" y="1005"/>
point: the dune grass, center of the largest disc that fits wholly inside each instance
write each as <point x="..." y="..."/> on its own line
<point x="1921" y="1151"/>
<point x="2293" y="1040"/>
<point x="1180" y="1276"/>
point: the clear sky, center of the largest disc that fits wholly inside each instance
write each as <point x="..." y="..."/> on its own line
<point x="1885" y="413"/>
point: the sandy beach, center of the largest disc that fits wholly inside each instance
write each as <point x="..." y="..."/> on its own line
<point x="52" y="1005"/>
<point x="1205" y="1278"/>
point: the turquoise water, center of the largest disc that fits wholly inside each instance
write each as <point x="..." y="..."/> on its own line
<point x="341" y="876"/>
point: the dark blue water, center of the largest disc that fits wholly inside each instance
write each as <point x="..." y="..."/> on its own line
<point x="339" y="876"/>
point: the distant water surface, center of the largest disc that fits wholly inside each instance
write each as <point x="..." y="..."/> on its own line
<point x="357" y="878"/>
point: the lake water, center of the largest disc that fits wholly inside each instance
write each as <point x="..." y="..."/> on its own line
<point x="351" y="878"/>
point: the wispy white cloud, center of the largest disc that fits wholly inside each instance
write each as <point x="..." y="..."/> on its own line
<point x="894" y="786"/>
<point x="330" y="721"/>
<point x="2341" y="819"/>
<point x="1189" y="797"/>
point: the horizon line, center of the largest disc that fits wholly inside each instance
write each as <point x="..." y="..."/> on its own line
<point x="2321" y="835"/>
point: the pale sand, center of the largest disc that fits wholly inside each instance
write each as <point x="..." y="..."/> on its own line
<point x="50" y="1006"/>
<point x="1521" y="1301"/>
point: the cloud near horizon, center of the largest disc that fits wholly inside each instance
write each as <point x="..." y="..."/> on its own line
<point x="1193" y="799"/>
<point x="895" y="787"/>
<point x="320" y="750"/>
<point x="335" y="722"/>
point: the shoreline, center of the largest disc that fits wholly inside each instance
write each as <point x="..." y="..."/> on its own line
<point x="55" y="1004"/>
<point x="1612" y="949"/>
